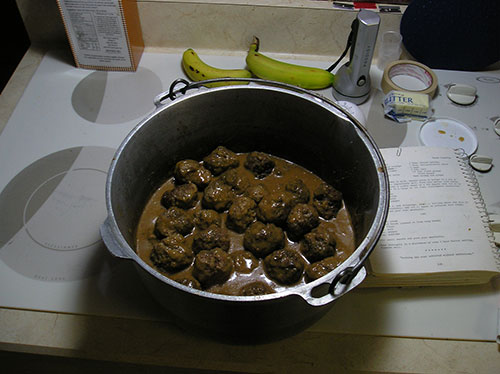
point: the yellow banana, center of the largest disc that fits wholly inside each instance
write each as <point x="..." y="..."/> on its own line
<point x="197" y="70"/>
<point x="303" y="76"/>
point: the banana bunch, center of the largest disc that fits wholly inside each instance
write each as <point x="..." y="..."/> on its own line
<point x="303" y="76"/>
<point x="261" y="66"/>
<point x="197" y="70"/>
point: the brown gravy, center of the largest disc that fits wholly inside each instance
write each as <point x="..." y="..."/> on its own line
<point x="283" y="172"/>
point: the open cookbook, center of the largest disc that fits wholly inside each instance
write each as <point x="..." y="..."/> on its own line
<point x="437" y="229"/>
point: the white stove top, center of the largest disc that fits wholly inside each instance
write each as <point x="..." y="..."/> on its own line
<point x="54" y="154"/>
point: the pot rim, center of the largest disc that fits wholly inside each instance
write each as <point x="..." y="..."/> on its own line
<point x="118" y="246"/>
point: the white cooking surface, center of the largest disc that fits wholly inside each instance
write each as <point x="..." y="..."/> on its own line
<point x="54" y="155"/>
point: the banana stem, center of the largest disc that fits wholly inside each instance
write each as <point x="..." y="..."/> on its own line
<point x="255" y="44"/>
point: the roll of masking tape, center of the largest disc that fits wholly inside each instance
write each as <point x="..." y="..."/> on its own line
<point x="409" y="76"/>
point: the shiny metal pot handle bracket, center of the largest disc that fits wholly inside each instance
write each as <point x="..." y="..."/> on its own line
<point x="173" y="93"/>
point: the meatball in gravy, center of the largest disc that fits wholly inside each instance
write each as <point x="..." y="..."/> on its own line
<point x="244" y="224"/>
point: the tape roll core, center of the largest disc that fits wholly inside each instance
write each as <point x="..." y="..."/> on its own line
<point x="413" y="69"/>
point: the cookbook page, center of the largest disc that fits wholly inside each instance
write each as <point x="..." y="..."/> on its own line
<point x="434" y="222"/>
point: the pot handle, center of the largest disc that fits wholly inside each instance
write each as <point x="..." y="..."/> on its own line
<point x="343" y="282"/>
<point x="174" y="91"/>
<point x="110" y="239"/>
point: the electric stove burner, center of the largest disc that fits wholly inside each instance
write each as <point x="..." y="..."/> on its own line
<point x="116" y="97"/>
<point x="51" y="213"/>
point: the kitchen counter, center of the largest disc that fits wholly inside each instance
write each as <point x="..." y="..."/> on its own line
<point x="147" y="342"/>
<point x="155" y="343"/>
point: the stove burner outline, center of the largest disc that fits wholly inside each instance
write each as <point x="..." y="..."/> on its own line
<point x="63" y="248"/>
<point x="23" y="203"/>
<point x="111" y="98"/>
<point x="488" y="79"/>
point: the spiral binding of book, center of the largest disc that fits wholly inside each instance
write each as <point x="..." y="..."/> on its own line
<point x="473" y="184"/>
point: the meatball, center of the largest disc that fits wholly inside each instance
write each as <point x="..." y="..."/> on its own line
<point x="212" y="237"/>
<point x="302" y="219"/>
<point x="243" y="212"/>
<point x="244" y="261"/>
<point x="320" y="268"/>
<point x="327" y="201"/>
<point x="212" y="267"/>
<point x="274" y="207"/>
<point x="299" y="191"/>
<point x="256" y="193"/>
<point x="217" y="196"/>
<point x="260" y="164"/>
<point x="262" y="239"/>
<point x="171" y="254"/>
<point x="172" y="238"/>
<point x="220" y="160"/>
<point x="207" y="217"/>
<point x="188" y="281"/>
<point x="318" y="244"/>
<point x="192" y="171"/>
<point x="183" y="196"/>
<point x="284" y="266"/>
<point x="234" y="178"/>
<point x="255" y="288"/>
<point x="173" y="220"/>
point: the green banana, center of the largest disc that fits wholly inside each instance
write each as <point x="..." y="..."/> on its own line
<point x="303" y="76"/>
<point x="197" y="70"/>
